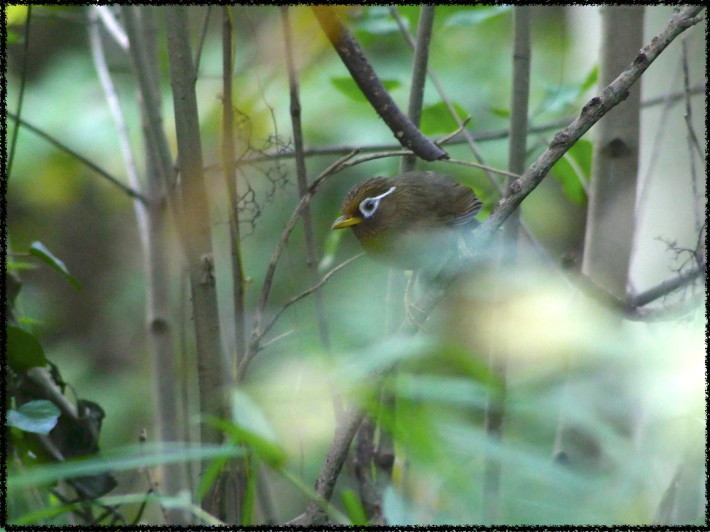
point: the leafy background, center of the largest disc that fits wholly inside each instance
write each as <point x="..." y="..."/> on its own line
<point x="96" y="335"/>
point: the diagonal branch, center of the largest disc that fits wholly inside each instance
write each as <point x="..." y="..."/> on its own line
<point x="518" y="190"/>
<point x="364" y="75"/>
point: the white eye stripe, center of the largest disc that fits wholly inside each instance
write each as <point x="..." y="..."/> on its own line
<point x="368" y="206"/>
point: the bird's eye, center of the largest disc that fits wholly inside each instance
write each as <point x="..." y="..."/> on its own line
<point x="368" y="206"/>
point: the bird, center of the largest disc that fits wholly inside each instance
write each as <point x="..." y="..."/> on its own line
<point x="413" y="221"/>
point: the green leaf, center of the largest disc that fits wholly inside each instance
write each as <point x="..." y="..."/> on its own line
<point x="476" y="15"/>
<point x="132" y="457"/>
<point x="574" y="169"/>
<point x="591" y="79"/>
<point x="24" y="351"/>
<point x="353" y="508"/>
<point x="350" y="89"/>
<point x="36" y="416"/>
<point x="40" y="251"/>
<point x="436" y="119"/>
<point x="500" y="111"/>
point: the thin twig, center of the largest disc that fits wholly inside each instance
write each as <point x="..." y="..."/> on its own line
<point x="114" y="105"/>
<point x="21" y="95"/>
<point x="100" y="171"/>
<point x="592" y="112"/>
<point x="693" y="144"/>
<point x="280" y="245"/>
<point x="481" y="136"/>
<point x="469" y="138"/>
<point x="419" y="72"/>
<point x="366" y="79"/>
<point x="666" y="287"/>
<point x="301" y="176"/>
<point x="112" y="25"/>
<point x="297" y="298"/>
<point x="229" y="165"/>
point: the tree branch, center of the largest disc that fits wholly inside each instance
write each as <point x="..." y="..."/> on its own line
<point x="364" y="75"/>
<point x="594" y="110"/>
<point x="518" y="190"/>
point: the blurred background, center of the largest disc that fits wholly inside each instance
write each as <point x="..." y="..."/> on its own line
<point x="569" y="357"/>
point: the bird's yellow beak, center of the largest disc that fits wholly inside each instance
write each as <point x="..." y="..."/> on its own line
<point x="346" y="221"/>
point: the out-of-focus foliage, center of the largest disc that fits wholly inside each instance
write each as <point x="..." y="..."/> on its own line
<point x="568" y="358"/>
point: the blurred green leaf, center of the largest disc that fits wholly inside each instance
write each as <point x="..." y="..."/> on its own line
<point x="378" y="356"/>
<point x="563" y="97"/>
<point x="131" y="457"/>
<point x="375" y="21"/>
<point x="40" y="251"/>
<point x="591" y="79"/>
<point x="573" y="169"/>
<point x="353" y="508"/>
<point x="436" y="119"/>
<point x="251" y="427"/>
<point x="350" y="89"/>
<point x="16" y="14"/>
<point x="501" y="112"/>
<point x="24" y="351"/>
<point x="476" y="15"/>
<point x="36" y="416"/>
<point x="454" y="391"/>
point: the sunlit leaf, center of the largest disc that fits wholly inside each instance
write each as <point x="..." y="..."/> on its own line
<point x="16" y="14"/>
<point x="40" y="251"/>
<point x="36" y="416"/>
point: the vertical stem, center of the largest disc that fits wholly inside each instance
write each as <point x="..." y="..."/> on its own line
<point x="214" y="376"/>
<point x="612" y="188"/>
<point x="311" y="254"/>
<point x="229" y="166"/>
<point x="419" y="73"/>
<point x="241" y="471"/>
<point x="495" y="407"/>
<point x="170" y="418"/>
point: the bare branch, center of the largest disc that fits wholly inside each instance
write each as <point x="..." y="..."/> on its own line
<point x="597" y="107"/>
<point x="100" y="171"/>
<point x="364" y="75"/>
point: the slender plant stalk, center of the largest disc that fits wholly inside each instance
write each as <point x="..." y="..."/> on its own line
<point x="302" y="178"/>
<point x="518" y="190"/>
<point x="153" y="223"/>
<point x="229" y="165"/>
<point x="214" y="375"/>
<point x="498" y="360"/>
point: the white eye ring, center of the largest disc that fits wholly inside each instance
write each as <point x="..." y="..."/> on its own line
<point x="368" y="206"/>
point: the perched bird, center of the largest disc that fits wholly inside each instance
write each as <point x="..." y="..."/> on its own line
<point x="412" y="221"/>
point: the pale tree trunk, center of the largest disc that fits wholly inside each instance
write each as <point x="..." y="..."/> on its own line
<point x="169" y="418"/>
<point x="612" y="190"/>
<point x="610" y="232"/>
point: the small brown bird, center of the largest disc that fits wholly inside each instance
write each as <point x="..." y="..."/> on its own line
<point x="411" y="221"/>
